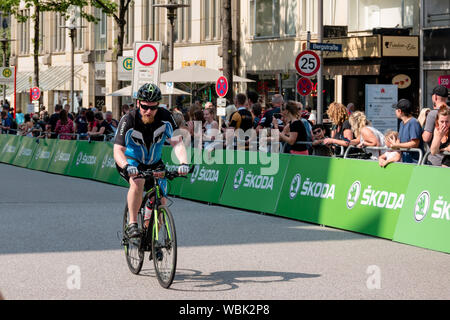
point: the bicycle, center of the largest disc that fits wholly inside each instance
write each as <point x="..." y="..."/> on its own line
<point x="158" y="236"/>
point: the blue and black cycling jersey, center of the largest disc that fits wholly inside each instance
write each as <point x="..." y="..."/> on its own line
<point x="144" y="142"/>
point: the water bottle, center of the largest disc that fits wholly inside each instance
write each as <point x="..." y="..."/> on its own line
<point x="148" y="209"/>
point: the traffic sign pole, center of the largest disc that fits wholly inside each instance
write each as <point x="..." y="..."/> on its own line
<point x="319" y="74"/>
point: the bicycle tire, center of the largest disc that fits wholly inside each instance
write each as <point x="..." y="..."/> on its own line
<point x="133" y="249"/>
<point x="166" y="243"/>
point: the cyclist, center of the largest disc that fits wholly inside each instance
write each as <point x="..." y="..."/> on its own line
<point x="138" y="146"/>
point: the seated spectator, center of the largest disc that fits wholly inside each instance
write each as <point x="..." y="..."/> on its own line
<point x="97" y="131"/>
<point x="368" y="136"/>
<point x="64" y="125"/>
<point x="294" y="131"/>
<point x="318" y="147"/>
<point x="441" y="141"/>
<point x="341" y="130"/>
<point x="410" y="134"/>
<point x="389" y="156"/>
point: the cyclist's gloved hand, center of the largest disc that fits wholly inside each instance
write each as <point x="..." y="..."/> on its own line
<point x="131" y="170"/>
<point x="183" y="169"/>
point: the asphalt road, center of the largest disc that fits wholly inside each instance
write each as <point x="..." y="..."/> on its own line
<point x="58" y="240"/>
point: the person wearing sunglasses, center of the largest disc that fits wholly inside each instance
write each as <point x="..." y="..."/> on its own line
<point x="138" y="145"/>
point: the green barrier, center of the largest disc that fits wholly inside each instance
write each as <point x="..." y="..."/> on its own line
<point x="175" y="186"/>
<point x="3" y="138"/>
<point x="106" y="171"/>
<point x="26" y="151"/>
<point x="10" y="148"/>
<point x="347" y="194"/>
<point x="254" y="186"/>
<point x="86" y="159"/>
<point x="62" y="156"/>
<point x="425" y="218"/>
<point x="42" y="154"/>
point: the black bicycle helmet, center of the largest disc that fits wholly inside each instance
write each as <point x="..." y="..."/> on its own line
<point x="149" y="92"/>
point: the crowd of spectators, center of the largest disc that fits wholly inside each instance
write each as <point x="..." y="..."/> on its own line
<point x="344" y="127"/>
<point x="62" y="124"/>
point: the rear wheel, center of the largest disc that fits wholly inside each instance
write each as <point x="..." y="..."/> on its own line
<point x="134" y="253"/>
<point x="164" y="247"/>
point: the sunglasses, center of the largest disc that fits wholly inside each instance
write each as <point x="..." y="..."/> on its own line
<point x="146" y="107"/>
<point x="317" y="131"/>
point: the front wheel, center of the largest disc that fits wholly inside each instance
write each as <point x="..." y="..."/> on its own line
<point x="164" y="246"/>
<point x="133" y="249"/>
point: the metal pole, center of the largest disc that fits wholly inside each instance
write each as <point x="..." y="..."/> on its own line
<point x="171" y="16"/>
<point x="72" y="63"/>
<point x="421" y="46"/>
<point x="320" y="72"/>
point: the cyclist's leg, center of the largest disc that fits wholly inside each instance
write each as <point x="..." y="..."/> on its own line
<point x="134" y="198"/>
<point x="163" y="186"/>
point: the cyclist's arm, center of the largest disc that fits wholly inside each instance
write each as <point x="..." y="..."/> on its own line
<point x="119" y="155"/>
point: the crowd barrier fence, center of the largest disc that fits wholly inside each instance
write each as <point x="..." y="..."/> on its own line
<point x="403" y="202"/>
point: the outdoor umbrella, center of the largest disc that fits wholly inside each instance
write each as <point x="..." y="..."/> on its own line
<point x="126" y="91"/>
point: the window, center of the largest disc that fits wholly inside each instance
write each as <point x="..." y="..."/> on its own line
<point x="290" y="16"/>
<point x="437" y="13"/>
<point x="266" y="18"/>
<point x="211" y="22"/>
<point x="368" y="14"/>
<point x="183" y="23"/>
<point x="59" y="40"/>
<point x="129" y="26"/>
<point x="100" y="35"/>
<point x="24" y="32"/>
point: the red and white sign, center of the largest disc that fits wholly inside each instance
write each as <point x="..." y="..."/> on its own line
<point x="304" y="86"/>
<point x="307" y="63"/>
<point x="35" y="93"/>
<point x="445" y="81"/>
<point x="222" y="86"/>
<point x="146" y="64"/>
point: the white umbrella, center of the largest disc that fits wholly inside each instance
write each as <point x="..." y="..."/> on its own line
<point x="196" y="74"/>
<point x="126" y="91"/>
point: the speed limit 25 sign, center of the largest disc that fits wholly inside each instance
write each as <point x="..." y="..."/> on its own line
<point x="307" y="63"/>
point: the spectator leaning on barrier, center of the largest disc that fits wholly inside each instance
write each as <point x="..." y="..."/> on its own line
<point x="439" y="98"/>
<point x="294" y="131"/>
<point x="242" y="118"/>
<point x="38" y="125"/>
<point x="410" y="133"/>
<point x="318" y="147"/>
<point x="441" y="141"/>
<point x="266" y="119"/>
<point x="368" y="136"/>
<point x="389" y="156"/>
<point x="6" y="123"/>
<point x="81" y="124"/>
<point x="341" y="130"/>
<point x="110" y="123"/>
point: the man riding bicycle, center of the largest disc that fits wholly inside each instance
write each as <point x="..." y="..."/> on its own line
<point x="138" y="146"/>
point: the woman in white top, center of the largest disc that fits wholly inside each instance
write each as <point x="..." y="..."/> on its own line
<point x="368" y="136"/>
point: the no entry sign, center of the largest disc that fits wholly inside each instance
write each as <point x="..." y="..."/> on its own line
<point x="146" y="64"/>
<point x="222" y="86"/>
<point x="304" y="86"/>
<point x="307" y="63"/>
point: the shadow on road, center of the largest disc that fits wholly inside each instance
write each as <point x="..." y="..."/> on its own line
<point x="190" y="280"/>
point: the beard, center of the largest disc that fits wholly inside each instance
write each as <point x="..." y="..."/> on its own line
<point x="147" y="119"/>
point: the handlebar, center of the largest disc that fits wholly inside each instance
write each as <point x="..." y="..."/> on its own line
<point x="168" y="174"/>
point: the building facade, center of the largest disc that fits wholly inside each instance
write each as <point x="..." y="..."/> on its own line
<point x="380" y="40"/>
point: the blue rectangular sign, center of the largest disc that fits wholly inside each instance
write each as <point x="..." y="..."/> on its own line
<point x="326" y="47"/>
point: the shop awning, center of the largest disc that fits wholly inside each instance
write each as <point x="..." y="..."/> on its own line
<point x="49" y="79"/>
<point x="352" y="70"/>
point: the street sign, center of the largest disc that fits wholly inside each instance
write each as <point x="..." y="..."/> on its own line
<point x="169" y="86"/>
<point x="221" y="102"/>
<point x="304" y="86"/>
<point x="6" y="75"/>
<point x="124" y="68"/>
<point x="326" y="47"/>
<point x="146" y="64"/>
<point x="307" y="63"/>
<point x="222" y="86"/>
<point x="35" y="93"/>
